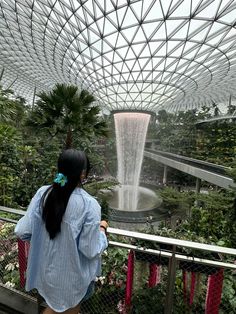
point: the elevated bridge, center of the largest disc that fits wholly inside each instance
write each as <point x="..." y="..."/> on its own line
<point x="202" y="170"/>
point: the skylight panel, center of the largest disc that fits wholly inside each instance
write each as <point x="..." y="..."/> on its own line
<point x="160" y="33"/>
<point x="165" y="5"/>
<point x="140" y="36"/>
<point x="136" y="7"/>
<point x="109" y="27"/>
<point x="209" y="10"/>
<point x="120" y="40"/>
<point x="130" y="32"/>
<point x="152" y="10"/>
<point x="180" y="8"/>
<point x="174" y="45"/>
<point x="128" y="19"/>
<point x="228" y="18"/>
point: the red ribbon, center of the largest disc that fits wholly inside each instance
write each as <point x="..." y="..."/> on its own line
<point x="23" y="252"/>
<point x="129" y="279"/>
<point x="154" y="275"/>
<point x="192" y="288"/>
<point x="214" y="291"/>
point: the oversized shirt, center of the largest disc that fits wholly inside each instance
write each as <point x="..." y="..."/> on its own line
<point x="61" y="269"/>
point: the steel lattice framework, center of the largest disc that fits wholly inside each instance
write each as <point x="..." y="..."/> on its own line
<point x="132" y="54"/>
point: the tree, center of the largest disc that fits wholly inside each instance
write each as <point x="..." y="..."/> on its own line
<point x="65" y="110"/>
<point x="11" y="108"/>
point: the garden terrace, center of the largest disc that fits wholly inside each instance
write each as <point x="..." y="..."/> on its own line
<point x="141" y="272"/>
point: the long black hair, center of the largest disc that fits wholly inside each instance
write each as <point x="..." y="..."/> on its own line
<point x="71" y="163"/>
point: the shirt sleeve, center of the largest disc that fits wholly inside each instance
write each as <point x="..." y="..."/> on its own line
<point x="92" y="241"/>
<point x="23" y="229"/>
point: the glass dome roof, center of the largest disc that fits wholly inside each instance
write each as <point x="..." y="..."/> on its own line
<point x="133" y="54"/>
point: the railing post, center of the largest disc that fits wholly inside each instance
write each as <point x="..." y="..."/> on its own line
<point x="198" y="185"/>
<point x="164" y="179"/>
<point x="170" y="283"/>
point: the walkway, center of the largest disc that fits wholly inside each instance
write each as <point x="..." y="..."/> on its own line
<point x="215" y="174"/>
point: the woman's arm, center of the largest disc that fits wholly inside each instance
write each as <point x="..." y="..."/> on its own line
<point x="23" y="229"/>
<point x="92" y="239"/>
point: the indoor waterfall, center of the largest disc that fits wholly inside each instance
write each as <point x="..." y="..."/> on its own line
<point x="131" y="130"/>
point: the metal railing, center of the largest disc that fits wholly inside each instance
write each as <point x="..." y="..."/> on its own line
<point x="142" y="273"/>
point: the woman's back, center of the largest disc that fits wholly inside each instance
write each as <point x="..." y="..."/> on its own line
<point x="61" y="268"/>
<point x="67" y="237"/>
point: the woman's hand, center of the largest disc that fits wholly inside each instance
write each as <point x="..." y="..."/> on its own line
<point x="103" y="225"/>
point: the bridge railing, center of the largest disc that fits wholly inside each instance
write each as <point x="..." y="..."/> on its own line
<point x="142" y="273"/>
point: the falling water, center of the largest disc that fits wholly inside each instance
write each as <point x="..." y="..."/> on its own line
<point x="131" y="129"/>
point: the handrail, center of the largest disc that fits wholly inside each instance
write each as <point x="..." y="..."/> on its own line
<point x="12" y="210"/>
<point x="172" y="241"/>
<point x="153" y="238"/>
<point x="180" y="257"/>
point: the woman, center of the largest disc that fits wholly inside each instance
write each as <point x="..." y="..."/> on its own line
<point x="66" y="237"/>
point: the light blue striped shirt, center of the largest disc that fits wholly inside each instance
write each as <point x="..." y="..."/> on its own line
<point x="62" y="269"/>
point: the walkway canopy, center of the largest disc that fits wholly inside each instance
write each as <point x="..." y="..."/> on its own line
<point x="138" y="54"/>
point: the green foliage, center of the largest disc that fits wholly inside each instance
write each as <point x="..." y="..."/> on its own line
<point x="175" y="201"/>
<point x="35" y="168"/>
<point x="8" y="256"/>
<point x="97" y="188"/>
<point x="149" y="300"/>
<point x="28" y="156"/>
<point x="11" y="108"/>
<point x="229" y="293"/>
<point x="176" y="132"/>
<point x="67" y="111"/>
<point x="153" y="300"/>
<point x="216" y="142"/>
<point x="9" y="160"/>
<point x="211" y="218"/>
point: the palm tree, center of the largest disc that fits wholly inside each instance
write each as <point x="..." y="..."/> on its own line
<point x="67" y="111"/>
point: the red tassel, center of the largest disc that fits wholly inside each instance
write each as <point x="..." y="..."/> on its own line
<point x="214" y="291"/>
<point x="192" y="288"/>
<point x="153" y="275"/>
<point x="23" y="252"/>
<point x="219" y="283"/>
<point x="129" y="279"/>
<point x="210" y="294"/>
